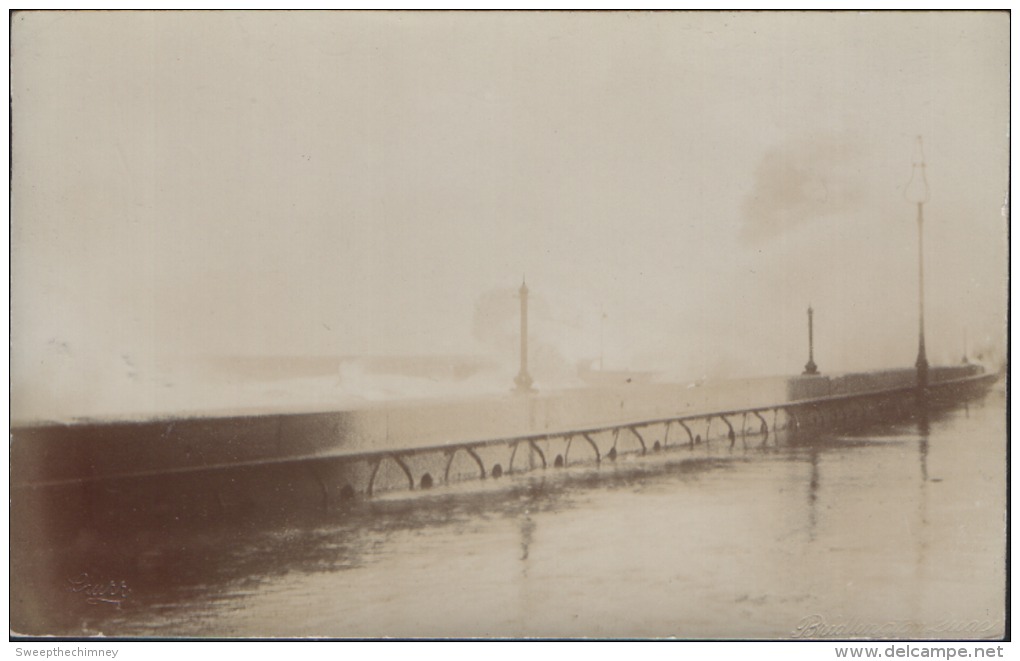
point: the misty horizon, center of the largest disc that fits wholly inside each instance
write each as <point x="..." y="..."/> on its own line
<point x="677" y="188"/>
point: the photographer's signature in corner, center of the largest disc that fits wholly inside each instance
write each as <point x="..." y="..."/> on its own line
<point x="99" y="591"/>
<point x="816" y="626"/>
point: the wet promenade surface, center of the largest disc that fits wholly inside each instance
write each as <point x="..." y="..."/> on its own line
<point x="895" y="530"/>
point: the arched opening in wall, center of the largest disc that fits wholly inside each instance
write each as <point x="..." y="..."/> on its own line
<point x="583" y="449"/>
<point x="426" y="481"/>
<point x="497" y="471"/>
<point x="390" y="474"/>
<point x="525" y="456"/>
<point x="629" y="440"/>
<point x="558" y="462"/>
<point x="462" y="465"/>
<point x="657" y="446"/>
<point x="346" y="493"/>
<point x="612" y="454"/>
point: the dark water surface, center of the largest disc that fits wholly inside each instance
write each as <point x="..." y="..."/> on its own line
<point x="892" y="531"/>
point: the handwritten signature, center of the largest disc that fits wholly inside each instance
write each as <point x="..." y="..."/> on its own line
<point x="816" y="626"/>
<point x="99" y="591"/>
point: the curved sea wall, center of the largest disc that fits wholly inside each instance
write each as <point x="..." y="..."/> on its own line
<point x="77" y="479"/>
<point x="54" y="453"/>
<point x="810" y="387"/>
<point x="58" y="453"/>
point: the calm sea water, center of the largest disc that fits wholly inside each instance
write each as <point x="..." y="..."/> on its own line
<point x="892" y="531"/>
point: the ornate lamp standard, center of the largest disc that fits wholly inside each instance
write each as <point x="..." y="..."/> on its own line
<point x="523" y="380"/>
<point x="917" y="193"/>
<point x="811" y="369"/>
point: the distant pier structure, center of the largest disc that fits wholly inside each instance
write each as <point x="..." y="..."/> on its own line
<point x="523" y="380"/>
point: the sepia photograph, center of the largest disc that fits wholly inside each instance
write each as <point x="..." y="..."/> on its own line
<point x="509" y="325"/>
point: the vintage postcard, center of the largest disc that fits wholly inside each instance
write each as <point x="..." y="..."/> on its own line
<point x="567" y="325"/>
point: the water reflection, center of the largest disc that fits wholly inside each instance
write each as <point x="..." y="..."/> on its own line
<point x="527" y="530"/>
<point x="813" y="485"/>
<point x="923" y="430"/>
<point x="671" y="529"/>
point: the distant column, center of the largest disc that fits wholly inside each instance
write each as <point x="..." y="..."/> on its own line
<point x="811" y="368"/>
<point x="524" y="379"/>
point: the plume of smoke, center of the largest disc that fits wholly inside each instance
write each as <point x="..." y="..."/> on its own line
<point x="802" y="180"/>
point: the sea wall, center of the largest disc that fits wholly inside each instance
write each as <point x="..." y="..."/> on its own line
<point x="810" y="387"/>
<point x="437" y="423"/>
<point x="156" y="473"/>
<point x="53" y="453"/>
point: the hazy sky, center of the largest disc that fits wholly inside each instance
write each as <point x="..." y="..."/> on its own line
<point x="233" y="183"/>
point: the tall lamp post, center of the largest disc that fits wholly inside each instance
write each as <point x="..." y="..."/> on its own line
<point x="917" y="193"/>
<point x="811" y="369"/>
<point x="523" y="380"/>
